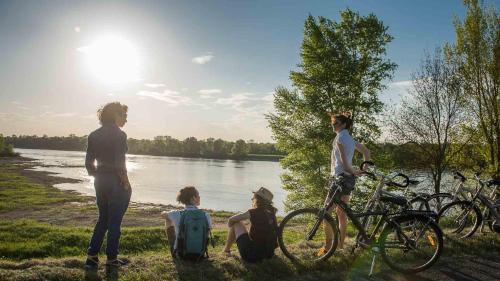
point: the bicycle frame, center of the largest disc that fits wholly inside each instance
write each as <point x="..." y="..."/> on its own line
<point x="491" y="206"/>
<point x="374" y="201"/>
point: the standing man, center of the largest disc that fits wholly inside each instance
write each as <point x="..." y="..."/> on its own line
<point x="105" y="161"/>
<point x="342" y="172"/>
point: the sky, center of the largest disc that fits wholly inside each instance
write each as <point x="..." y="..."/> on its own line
<point x="184" y="68"/>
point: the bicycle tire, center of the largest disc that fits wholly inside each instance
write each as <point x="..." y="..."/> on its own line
<point x="463" y="205"/>
<point x="314" y="212"/>
<point x="407" y="220"/>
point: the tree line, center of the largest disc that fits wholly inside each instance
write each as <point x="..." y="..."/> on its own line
<point x="160" y="146"/>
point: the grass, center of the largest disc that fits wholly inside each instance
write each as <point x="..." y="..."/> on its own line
<point x="17" y="192"/>
<point x="44" y="234"/>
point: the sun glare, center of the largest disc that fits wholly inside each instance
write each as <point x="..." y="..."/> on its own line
<point x="113" y="59"/>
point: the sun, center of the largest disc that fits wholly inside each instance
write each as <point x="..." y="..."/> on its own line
<point x="113" y="59"/>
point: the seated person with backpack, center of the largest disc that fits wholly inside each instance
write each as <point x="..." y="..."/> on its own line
<point x="261" y="241"/>
<point x="188" y="230"/>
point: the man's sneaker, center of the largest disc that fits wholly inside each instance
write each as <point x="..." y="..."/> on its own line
<point x="116" y="262"/>
<point x="92" y="262"/>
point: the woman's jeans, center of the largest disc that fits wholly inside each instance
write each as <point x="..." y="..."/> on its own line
<point x="112" y="201"/>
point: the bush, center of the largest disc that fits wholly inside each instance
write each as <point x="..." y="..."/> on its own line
<point x="6" y="150"/>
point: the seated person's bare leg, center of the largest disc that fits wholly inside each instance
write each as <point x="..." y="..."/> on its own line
<point x="235" y="231"/>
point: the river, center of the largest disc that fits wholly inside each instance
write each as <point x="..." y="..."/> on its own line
<point x="223" y="184"/>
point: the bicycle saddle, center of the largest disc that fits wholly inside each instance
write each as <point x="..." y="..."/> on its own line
<point x="395" y="199"/>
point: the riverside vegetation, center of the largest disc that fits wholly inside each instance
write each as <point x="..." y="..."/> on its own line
<point x="44" y="234"/>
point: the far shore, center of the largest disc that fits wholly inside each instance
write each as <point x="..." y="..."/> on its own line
<point x="248" y="157"/>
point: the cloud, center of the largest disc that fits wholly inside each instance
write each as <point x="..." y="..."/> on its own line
<point x="395" y="91"/>
<point x="208" y="93"/>
<point x="155" y="85"/>
<point x="51" y="114"/>
<point x="88" y="116"/>
<point x="404" y="84"/>
<point x="203" y="59"/>
<point x="249" y="107"/>
<point x="172" y="98"/>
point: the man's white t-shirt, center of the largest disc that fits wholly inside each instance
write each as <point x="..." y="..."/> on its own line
<point x="175" y="218"/>
<point x="349" y="144"/>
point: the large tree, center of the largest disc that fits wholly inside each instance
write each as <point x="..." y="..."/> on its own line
<point x="431" y="115"/>
<point x="477" y="50"/>
<point x="342" y="68"/>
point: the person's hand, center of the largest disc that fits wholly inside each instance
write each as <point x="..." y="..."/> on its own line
<point x="127" y="186"/>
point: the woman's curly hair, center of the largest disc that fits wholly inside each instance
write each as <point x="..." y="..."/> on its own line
<point x="107" y="113"/>
<point x="185" y="195"/>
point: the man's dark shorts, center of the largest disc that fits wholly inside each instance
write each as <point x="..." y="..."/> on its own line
<point x="346" y="183"/>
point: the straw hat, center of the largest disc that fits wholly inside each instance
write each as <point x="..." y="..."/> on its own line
<point x="264" y="193"/>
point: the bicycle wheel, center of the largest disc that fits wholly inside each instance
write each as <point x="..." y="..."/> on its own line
<point x="304" y="238"/>
<point x="412" y="244"/>
<point x="438" y="200"/>
<point x="459" y="219"/>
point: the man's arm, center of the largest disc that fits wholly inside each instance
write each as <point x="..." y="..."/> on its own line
<point x="363" y="150"/>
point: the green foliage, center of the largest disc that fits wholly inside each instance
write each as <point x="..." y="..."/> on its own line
<point x="239" y="149"/>
<point x="342" y="68"/>
<point x="477" y="52"/>
<point x="6" y="149"/>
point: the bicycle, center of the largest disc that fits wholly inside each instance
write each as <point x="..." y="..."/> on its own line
<point x="409" y="241"/>
<point x="462" y="218"/>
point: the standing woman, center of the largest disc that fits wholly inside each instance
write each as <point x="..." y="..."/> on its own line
<point x="105" y="161"/>
<point x="342" y="172"/>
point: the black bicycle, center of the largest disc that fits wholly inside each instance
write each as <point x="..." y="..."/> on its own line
<point x="410" y="241"/>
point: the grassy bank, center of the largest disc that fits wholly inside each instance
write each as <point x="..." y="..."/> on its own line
<point x="44" y="233"/>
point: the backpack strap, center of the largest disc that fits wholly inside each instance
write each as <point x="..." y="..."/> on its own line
<point x="182" y="230"/>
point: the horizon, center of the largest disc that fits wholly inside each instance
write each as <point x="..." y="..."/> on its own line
<point x="187" y="68"/>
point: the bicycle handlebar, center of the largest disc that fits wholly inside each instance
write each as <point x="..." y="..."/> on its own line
<point x="390" y="183"/>
<point x="362" y="166"/>
<point x="407" y="181"/>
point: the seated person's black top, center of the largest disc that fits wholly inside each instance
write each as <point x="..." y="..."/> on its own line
<point x="262" y="239"/>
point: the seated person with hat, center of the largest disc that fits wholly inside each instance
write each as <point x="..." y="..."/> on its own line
<point x="260" y="242"/>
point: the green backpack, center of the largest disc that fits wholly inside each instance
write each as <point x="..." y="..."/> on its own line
<point x="192" y="242"/>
